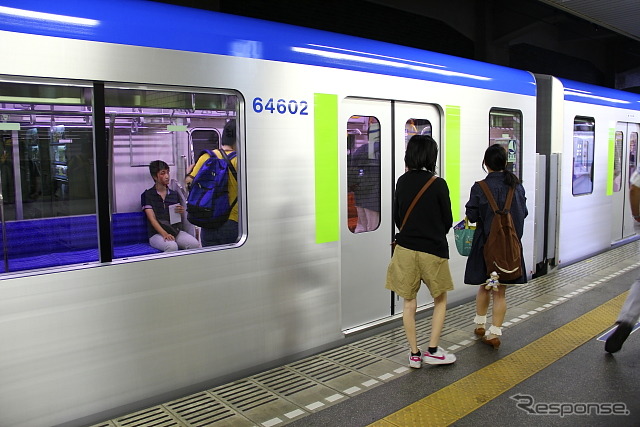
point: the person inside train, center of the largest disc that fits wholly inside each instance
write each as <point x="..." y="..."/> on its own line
<point x="630" y="312"/>
<point x="227" y="232"/>
<point x="163" y="211"/>
<point x="478" y="210"/>
<point x="421" y="253"/>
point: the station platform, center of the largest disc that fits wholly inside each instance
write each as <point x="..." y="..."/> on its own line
<point x="551" y="368"/>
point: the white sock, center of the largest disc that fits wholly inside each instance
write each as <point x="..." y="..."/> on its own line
<point x="495" y="330"/>
<point x="480" y="320"/>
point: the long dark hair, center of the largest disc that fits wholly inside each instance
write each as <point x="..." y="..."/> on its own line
<point x="422" y="152"/>
<point x="495" y="158"/>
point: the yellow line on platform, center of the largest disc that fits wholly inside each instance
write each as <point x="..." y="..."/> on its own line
<point x="466" y="395"/>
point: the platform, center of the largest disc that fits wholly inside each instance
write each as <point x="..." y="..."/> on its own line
<point x="551" y="368"/>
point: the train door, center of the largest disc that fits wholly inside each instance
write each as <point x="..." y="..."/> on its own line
<point x="411" y="119"/>
<point x="624" y="163"/>
<point x="366" y="215"/>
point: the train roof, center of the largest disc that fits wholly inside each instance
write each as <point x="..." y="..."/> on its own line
<point x="158" y="25"/>
<point x="591" y="94"/>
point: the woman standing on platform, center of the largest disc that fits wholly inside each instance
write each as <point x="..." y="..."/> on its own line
<point x="422" y="251"/>
<point x="478" y="210"/>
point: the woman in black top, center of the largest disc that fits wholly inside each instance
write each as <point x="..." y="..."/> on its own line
<point x="422" y="251"/>
<point x="479" y="211"/>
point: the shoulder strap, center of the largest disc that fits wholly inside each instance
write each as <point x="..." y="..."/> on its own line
<point x="492" y="201"/>
<point x="415" y="200"/>
<point x="226" y="158"/>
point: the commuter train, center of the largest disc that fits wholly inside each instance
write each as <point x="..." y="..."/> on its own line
<point x="93" y="319"/>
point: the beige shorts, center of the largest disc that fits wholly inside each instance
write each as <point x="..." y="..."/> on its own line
<point x="408" y="268"/>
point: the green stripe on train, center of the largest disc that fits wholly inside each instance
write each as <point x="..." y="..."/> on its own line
<point x="611" y="160"/>
<point x="452" y="168"/>
<point x="326" y="168"/>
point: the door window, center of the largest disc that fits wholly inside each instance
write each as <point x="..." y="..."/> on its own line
<point x="363" y="173"/>
<point x="505" y="128"/>
<point x="583" y="141"/>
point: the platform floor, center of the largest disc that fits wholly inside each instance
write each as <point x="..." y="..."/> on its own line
<point x="551" y="368"/>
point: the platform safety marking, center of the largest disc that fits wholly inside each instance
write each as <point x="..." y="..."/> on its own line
<point x="401" y="370"/>
<point x="453" y="347"/>
<point x="294" y="414"/>
<point x="385" y="376"/>
<point x="315" y="405"/>
<point x="334" y="397"/>
<point x="272" y="422"/>
<point x="352" y="390"/>
<point x="370" y="383"/>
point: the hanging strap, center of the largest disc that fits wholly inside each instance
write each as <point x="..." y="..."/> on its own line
<point x="492" y="201"/>
<point x="415" y="200"/>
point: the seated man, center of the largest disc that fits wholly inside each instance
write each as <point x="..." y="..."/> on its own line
<point x="156" y="202"/>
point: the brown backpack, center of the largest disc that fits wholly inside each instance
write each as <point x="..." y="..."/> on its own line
<point x="503" y="249"/>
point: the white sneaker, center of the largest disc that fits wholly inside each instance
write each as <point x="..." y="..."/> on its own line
<point x="440" y="357"/>
<point x="415" y="361"/>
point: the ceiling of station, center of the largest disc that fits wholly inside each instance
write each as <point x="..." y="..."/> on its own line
<point x="620" y="16"/>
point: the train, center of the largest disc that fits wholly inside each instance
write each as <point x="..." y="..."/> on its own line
<point x="92" y="319"/>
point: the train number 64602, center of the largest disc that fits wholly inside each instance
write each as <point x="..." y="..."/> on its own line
<point x="280" y="106"/>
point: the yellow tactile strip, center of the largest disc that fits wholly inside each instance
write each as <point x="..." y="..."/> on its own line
<point x="466" y="395"/>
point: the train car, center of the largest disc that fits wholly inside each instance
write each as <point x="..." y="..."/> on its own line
<point x="93" y="318"/>
<point x="590" y="134"/>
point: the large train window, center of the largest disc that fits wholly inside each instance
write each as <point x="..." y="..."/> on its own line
<point x="617" y="161"/>
<point x="363" y="173"/>
<point x="505" y="128"/>
<point x="47" y="205"/>
<point x="173" y="127"/>
<point x="583" y="140"/>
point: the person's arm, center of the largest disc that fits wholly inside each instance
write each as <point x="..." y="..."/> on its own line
<point x="473" y="205"/>
<point x="151" y="217"/>
<point x="445" y="206"/>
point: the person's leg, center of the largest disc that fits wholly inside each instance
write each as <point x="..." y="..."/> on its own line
<point x="437" y="319"/>
<point x="631" y="308"/>
<point x="409" y="323"/>
<point x="362" y="220"/>
<point x="372" y="219"/>
<point x="436" y="275"/>
<point x="493" y="334"/>
<point x="627" y="319"/>
<point x="186" y="241"/>
<point x="158" y="242"/>
<point x="483" y="297"/>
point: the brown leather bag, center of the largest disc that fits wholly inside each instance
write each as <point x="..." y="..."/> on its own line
<point x="411" y="206"/>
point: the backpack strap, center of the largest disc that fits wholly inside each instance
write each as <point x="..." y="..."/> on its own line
<point x="492" y="201"/>
<point x="415" y="200"/>
<point x="226" y="158"/>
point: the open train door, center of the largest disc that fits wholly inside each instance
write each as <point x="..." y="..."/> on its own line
<point x="624" y="163"/>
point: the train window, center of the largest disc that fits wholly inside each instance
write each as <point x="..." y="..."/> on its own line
<point x="363" y="173"/>
<point x="505" y="128"/>
<point x="583" y="140"/>
<point x="633" y="153"/>
<point x="617" y="162"/>
<point x="416" y="127"/>
<point x="174" y="127"/>
<point x="47" y="205"/>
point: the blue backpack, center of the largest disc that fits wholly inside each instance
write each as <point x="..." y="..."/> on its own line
<point x="208" y="202"/>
